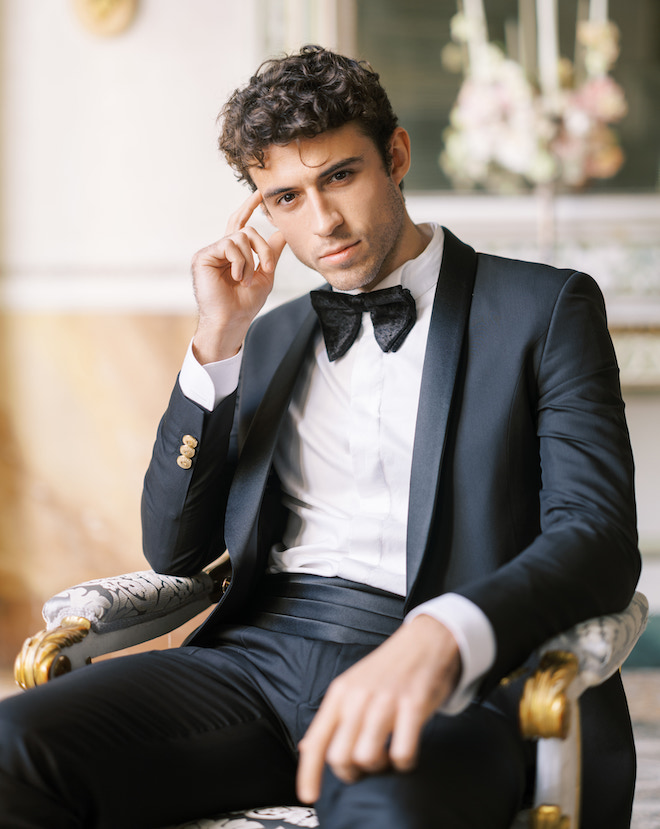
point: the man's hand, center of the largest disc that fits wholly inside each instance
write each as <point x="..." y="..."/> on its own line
<point x="389" y="694"/>
<point x="230" y="289"/>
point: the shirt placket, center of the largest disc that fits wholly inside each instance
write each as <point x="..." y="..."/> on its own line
<point x="365" y="447"/>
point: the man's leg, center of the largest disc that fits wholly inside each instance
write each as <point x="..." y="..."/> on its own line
<point x="471" y="774"/>
<point x="145" y="741"/>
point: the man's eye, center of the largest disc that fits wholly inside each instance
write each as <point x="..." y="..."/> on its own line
<point x="341" y="175"/>
<point x="287" y="198"/>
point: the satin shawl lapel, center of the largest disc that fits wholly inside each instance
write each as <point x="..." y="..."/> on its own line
<point x="256" y="456"/>
<point x="451" y="309"/>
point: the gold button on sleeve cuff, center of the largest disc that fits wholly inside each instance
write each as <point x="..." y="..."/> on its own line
<point x="184" y="462"/>
<point x="187" y="451"/>
<point x="189" y="440"/>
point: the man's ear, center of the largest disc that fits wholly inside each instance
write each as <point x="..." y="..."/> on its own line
<point x="400" y="152"/>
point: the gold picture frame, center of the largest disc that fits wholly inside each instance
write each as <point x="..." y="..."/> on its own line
<point x="106" y="17"/>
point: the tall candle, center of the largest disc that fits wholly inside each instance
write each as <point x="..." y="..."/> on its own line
<point x="548" y="45"/>
<point x="598" y="11"/>
<point x="476" y="17"/>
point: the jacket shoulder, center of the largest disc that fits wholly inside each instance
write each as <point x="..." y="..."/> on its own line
<point x="525" y="275"/>
<point x="531" y="287"/>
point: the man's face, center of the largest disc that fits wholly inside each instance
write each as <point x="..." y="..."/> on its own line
<point x="340" y="211"/>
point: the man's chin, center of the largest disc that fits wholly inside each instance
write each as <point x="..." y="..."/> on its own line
<point x="351" y="281"/>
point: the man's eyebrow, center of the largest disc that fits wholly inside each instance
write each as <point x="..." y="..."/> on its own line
<point x="345" y="162"/>
<point x="279" y="191"/>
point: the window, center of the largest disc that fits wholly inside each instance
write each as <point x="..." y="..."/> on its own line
<point x="403" y="40"/>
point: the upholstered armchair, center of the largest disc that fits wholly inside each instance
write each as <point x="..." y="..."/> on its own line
<point x="100" y="617"/>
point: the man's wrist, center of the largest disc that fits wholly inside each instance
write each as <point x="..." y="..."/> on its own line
<point x="475" y="638"/>
<point x="446" y="646"/>
<point x="211" y="344"/>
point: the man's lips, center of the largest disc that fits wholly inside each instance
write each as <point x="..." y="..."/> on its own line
<point x="340" y="254"/>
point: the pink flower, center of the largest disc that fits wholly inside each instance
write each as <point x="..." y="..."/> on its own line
<point x="602" y="98"/>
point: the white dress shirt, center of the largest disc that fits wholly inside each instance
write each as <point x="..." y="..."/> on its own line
<point x="344" y="460"/>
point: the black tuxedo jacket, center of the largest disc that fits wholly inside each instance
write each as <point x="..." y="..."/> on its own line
<point x="521" y="495"/>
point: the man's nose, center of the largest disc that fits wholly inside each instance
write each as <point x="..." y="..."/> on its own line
<point x="326" y="217"/>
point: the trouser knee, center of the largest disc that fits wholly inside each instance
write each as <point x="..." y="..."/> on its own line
<point x="19" y="739"/>
<point x="33" y="751"/>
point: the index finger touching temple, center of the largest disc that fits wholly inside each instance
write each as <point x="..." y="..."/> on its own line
<point x="242" y="216"/>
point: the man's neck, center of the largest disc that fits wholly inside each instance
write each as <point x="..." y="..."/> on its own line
<point x="413" y="241"/>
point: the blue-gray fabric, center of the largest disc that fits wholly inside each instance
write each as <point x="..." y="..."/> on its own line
<point x="156" y="739"/>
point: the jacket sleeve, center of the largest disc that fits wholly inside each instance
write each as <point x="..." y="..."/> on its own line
<point x="585" y="561"/>
<point x="183" y="505"/>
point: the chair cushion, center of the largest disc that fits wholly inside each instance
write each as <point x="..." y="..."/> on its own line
<point x="128" y="600"/>
<point x="275" y="817"/>
<point x="284" y="817"/>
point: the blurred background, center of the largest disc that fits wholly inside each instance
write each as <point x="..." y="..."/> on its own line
<point x="536" y="133"/>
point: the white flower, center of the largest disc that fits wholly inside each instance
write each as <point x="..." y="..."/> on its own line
<point x="461" y="28"/>
<point x="504" y="132"/>
<point x="543" y="168"/>
<point x="601" y="44"/>
<point x="577" y="122"/>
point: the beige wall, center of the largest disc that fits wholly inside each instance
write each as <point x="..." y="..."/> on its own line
<point x="81" y="399"/>
<point x="110" y="181"/>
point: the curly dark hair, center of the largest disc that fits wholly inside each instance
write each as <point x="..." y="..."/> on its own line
<point x="301" y="96"/>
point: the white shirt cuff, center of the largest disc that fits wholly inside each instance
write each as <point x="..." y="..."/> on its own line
<point x="209" y="384"/>
<point x="475" y="638"/>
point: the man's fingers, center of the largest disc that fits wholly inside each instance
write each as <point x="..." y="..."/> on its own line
<point x="241" y="217"/>
<point x="251" y="242"/>
<point x="277" y="243"/>
<point x="238" y="253"/>
<point x="406" y="735"/>
<point x="373" y="715"/>
<point x="370" y="750"/>
<point x="357" y="743"/>
<point x="340" y="755"/>
<point x="239" y="250"/>
<point x="238" y="231"/>
<point x="313" y="748"/>
<point x="351" y="739"/>
<point x="268" y="252"/>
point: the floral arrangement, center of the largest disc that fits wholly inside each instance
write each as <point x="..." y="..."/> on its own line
<point x="514" y="125"/>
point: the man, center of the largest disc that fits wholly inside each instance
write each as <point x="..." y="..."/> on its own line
<point x="447" y="448"/>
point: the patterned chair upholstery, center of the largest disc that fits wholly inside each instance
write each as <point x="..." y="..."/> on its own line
<point x="277" y="817"/>
<point x="106" y="615"/>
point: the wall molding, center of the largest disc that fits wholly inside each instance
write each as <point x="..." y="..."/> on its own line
<point x="638" y="353"/>
<point x="614" y="238"/>
<point x="81" y="290"/>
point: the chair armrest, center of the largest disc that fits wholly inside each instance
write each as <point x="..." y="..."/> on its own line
<point x="603" y="644"/>
<point x="101" y="616"/>
<point x="584" y="656"/>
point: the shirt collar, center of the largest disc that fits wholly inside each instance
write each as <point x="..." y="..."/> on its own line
<point x="419" y="275"/>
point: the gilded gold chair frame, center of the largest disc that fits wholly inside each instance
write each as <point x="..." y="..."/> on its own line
<point x="545" y="710"/>
<point x="41" y="656"/>
<point x="545" y="713"/>
<point x="548" y="817"/>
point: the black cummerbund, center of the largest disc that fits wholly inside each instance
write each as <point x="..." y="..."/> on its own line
<point x="330" y="609"/>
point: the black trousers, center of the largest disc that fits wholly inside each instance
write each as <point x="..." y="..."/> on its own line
<point x="156" y="739"/>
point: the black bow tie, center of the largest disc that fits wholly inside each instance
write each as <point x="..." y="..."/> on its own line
<point x="392" y="310"/>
